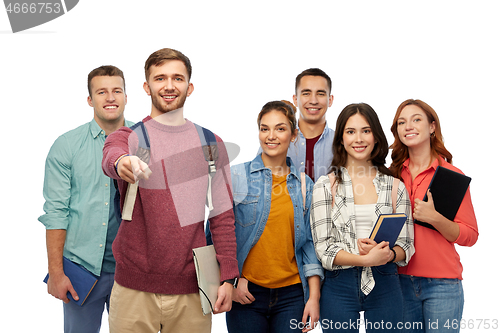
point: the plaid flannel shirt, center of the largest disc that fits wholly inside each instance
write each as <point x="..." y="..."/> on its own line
<point x="334" y="229"/>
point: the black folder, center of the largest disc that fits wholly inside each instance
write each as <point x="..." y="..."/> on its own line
<point x="448" y="189"/>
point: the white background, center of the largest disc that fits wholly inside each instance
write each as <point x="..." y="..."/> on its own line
<point x="244" y="55"/>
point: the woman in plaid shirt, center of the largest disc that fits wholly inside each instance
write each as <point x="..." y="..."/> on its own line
<point x="361" y="275"/>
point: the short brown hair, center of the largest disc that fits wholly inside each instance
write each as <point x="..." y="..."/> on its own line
<point x="159" y="57"/>
<point x="313" y="72"/>
<point x="106" y="70"/>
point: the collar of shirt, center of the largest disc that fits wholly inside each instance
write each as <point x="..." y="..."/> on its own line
<point x="322" y="134"/>
<point x="438" y="161"/>
<point x="258" y="165"/>
<point x="95" y="129"/>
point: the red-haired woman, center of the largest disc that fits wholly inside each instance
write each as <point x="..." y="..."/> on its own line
<point x="431" y="282"/>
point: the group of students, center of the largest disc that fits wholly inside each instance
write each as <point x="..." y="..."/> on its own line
<point x="413" y="287"/>
<point x="292" y="236"/>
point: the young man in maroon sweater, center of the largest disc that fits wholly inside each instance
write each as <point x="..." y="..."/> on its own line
<point x="156" y="286"/>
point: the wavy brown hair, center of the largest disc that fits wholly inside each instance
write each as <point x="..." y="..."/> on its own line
<point x="285" y="107"/>
<point x="400" y="152"/>
<point x="380" y="150"/>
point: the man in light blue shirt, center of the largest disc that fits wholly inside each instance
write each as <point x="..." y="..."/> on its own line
<point x="81" y="207"/>
<point x="312" y="152"/>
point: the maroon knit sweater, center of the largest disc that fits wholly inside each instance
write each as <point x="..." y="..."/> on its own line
<point x="153" y="252"/>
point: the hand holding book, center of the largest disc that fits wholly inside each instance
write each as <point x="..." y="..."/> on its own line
<point x="208" y="275"/>
<point x="365" y="245"/>
<point x="387" y="228"/>
<point x="79" y="284"/>
<point x="60" y="287"/>
<point x="379" y="254"/>
<point x="425" y="210"/>
<point x="448" y="190"/>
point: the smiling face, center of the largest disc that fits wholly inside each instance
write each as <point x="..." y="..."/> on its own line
<point x="275" y="135"/>
<point x="313" y="98"/>
<point x="108" y="99"/>
<point x="358" y="139"/>
<point x="168" y="85"/>
<point x="414" y="128"/>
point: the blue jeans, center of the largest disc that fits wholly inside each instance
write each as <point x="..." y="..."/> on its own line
<point x="87" y="318"/>
<point x="432" y="305"/>
<point x="342" y="300"/>
<point x="273" y="311"/>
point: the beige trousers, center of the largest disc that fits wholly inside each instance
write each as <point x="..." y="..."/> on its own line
<point x="141" y="312"/>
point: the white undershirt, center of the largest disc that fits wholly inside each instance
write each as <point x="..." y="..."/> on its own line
<point x="364" y="222"/>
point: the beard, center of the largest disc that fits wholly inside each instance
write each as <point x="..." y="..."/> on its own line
<point x="164" y="107"/>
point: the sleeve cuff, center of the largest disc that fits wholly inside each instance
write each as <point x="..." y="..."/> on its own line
<point x="313" y="269"/>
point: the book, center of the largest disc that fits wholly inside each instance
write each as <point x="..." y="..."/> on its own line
<point x="82" y="280"/>
<point x="387" y="228"/>
<point x="208" y="275"/>
<point x="448" y="189"/>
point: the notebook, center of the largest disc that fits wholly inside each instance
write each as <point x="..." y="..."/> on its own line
<point x="387" y="228"/>
<point x="208" y="274"/>
<point x="82" y="280"/>
<point x="448" y="189"/>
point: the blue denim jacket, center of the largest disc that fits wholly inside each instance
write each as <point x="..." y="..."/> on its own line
<point x="252" y="183"/>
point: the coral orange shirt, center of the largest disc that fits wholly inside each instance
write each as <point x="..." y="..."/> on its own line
<point x="271" y="262"/>
<point x="434" y="256"/>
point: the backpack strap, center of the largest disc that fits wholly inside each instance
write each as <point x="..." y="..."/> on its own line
<point x="211" y="153"/>
<point x="144" y="154"/>
<point x="144" y="147"/>
<point x="394" y="194"/>
<point x="333" y="183"/>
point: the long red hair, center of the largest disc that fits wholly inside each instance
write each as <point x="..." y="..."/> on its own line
<point x="400" y="151"/>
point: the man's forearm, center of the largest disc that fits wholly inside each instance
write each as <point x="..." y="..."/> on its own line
<point x="55" y="240"/>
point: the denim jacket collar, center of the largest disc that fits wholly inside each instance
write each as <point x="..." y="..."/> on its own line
<point x="257" y="165"/>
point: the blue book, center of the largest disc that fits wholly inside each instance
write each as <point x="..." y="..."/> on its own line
<point x="387" y="228"/>
<point x="82" y="280"/>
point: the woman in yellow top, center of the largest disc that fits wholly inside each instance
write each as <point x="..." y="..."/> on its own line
<point x="276" y="258"/>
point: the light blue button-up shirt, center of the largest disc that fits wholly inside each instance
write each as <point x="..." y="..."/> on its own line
<point x="323" y="152"/>
<point x="77" y="194"/>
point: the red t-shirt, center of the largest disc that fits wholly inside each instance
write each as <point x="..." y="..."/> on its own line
<point x="309" y="168"/>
